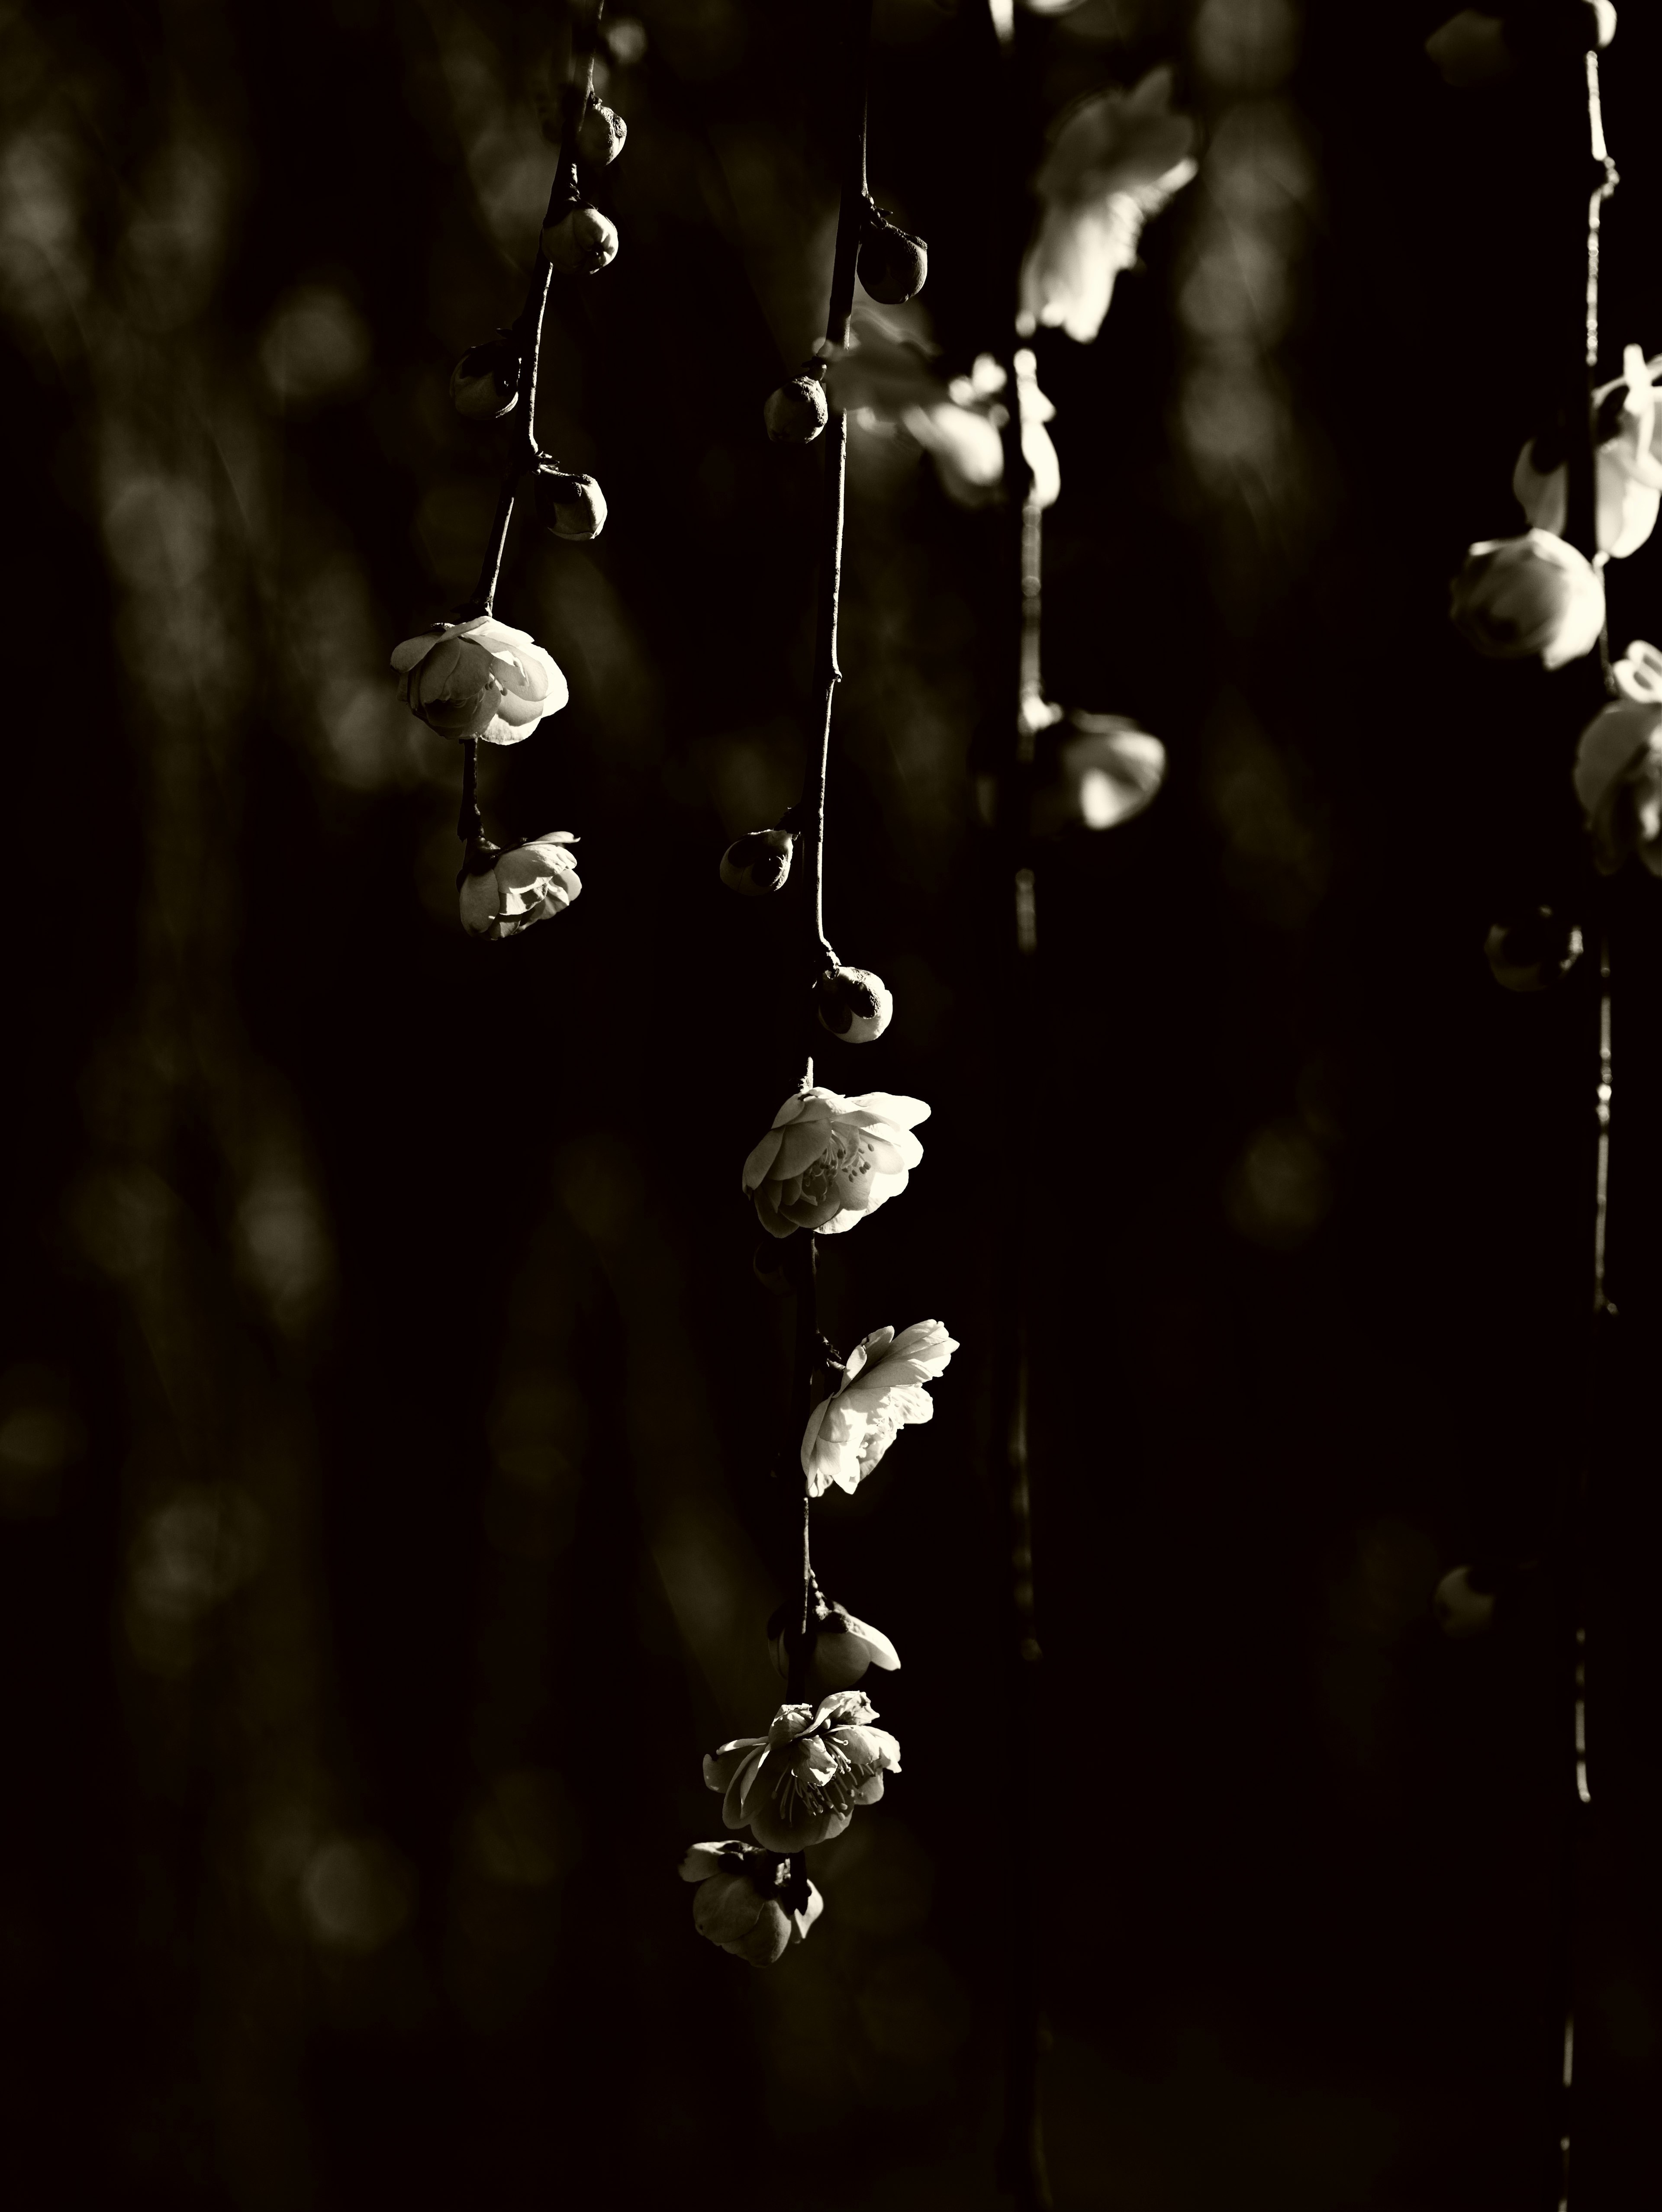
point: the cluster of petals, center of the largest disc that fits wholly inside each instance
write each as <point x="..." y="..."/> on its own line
<point x="883" y="376"/>
<point x="1516" y="598"/>
<point x="738" y="1905"/>
<point x="527" y="883"/>
<point x="879" y="1392"/>
<point x="800" y="1782"/>
<point x="479" y="679"/>
<point x="829" y="1161"/>
<point x="1628" y="472"/>
<point x="1114" y="160"/>
<point x="1618" y="779"/>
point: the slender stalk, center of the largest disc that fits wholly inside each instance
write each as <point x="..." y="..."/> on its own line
<point x="470" y="823"/>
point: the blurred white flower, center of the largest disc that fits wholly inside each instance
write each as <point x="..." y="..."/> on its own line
<point x="527" y="883"/>
<point x="1629" y="472"/>
<point x="479" y="679"/>
<point x="885" y="376"/>
<point x="1638" y="674"/>
<point x="1471" y="48"/>
<point x="880" y="1391"/>
<point x="1115" y="160"/>
<point x="1618" y="781"/>
<point x="1519" y="597"/>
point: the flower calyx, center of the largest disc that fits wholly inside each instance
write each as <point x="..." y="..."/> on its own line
<point x="797" y="411"/>
<point x="578" y="241"/>
<point x="892" y="264"/>
<point x="1534" y="952"/>
<point x="759" y="862"/>
<point x="853" y="1004"/>
<point x="484" y="385"/>
<point x="569" y="505"/>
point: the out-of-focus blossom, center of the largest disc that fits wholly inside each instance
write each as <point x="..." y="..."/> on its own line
<point x="829" y="1161"/>
<point x="581" y="243"/>
<point x="571" y="507"/>
<point x="891" y="263"/>
<point x="1534" y="953"/>
<point x="600" y="134"/>
<point x="853" y="1004"/>
<point x="1628" y="473"/>
<point x="879" y="1392"/>
<point x="801" y="1782"/>
<point x="740" y="1900"/>
<point x="1517" y="598"/>
<point x="840" y="1647"/>
<point x="1107" y="770"/>
<point x="759" y="862"/>
<point x="797" y="411"/>
<point x="1462" y="1609"/>
<point x="1618" y="781"/>
<point x="525" y="883"/>
<point x="1115" y="160"/>
<point x="484" y="385"/>
<point x="1638" y="674"/>
<point x="1471" y="48"/>
<point x="884" y="377"/>
<point x="479" y="679"/>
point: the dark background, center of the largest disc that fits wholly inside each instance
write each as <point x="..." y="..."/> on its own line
<point x="386" y="1400"/>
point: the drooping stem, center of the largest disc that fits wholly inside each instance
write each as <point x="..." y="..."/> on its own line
<point x="470" y="823"/>
<point x="827" y="673"/>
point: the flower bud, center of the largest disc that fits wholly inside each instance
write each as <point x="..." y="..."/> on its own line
<point x="892" y="264"/>
<point x="1461" y="1609"/>
<point x="796" y="413"/>
<point x="1618" y="781"/>
<point x="600" y="136"/>
<point x="841" y="1648"/>
<point x="581" y="243"/>
<point x="1534" y="953"/>
<point x="853" y="1004"/>
<point x="572" y="507"/>
<point x="484" y="385"/>
<point x="759" y="862"/>
<point x="1517" y="597"/>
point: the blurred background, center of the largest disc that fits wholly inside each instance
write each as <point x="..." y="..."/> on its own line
<point x="385" y="1399"/>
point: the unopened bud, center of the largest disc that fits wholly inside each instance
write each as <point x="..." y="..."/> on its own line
<point x="840" y="1647"/>
<point x="759" y="862"/>
<point x="1532" y="954"/>
<point x="892" y="264"/>
<point x="796" y="413"/>
<point x="600" y="134"/>
<point x="484" y="385"/>
<point x="853" y="1004"/>
<point x="572" y="507"/>
<point x="581" y="242"/>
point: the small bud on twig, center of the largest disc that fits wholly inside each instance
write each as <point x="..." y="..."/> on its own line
<point x="484" y="385"/>
<point x="572" y="507"/>
<point x="581" y="242"/>
<point x="600" y="136"/>
<point x="853" y="1004"/>
<point x="796" y="413"/>
<point x="759" y="862"/>
<point x="891" y="263"/>
<point x="1534" y="953"/>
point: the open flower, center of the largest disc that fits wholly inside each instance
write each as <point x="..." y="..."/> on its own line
<point x="1628" y="475"/>
<point x="1114" y="160"/>
<point x="840" y="1647"/>
<point x="800" y="1782"/>
<point x="1518" y="596"/>
<point x="1618" y="781"/>
<point x="829" y="1161"/>
<point x="479" y="679"/>
<point x="879" y="1392"/>
<point x="741" y="1900"/>
<point x="524" y="883"/>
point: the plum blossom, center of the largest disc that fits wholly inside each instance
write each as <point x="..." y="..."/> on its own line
<point x="1114" y="160"/>
<point x="829" y="1161"/>
<point x="1628" y="474"/>
<point x="1638" y="674"/>
<point x="525" y="883"/>
<point x="1518" y="596"/>
<point x="479" y="679"/>
<point x="800" y="1782"/>
<point x="879" y="1392"/>
<point x="741" y="1902"/>
<point x="1618" y="781"/>
<point x="841" y="1647"/>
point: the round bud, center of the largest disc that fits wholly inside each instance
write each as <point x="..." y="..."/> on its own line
<point x="796" y="413"/>
<point x="572" y="507"/>
<point x="600" y="134"/>
<point x="581" y="243"/>
<point x="853" y="1004"/>
<point x="1461" y="1609"/>
<point x="759" y="862"/>
<point x="484" y="385"/>
<point x="1534" y="953"/>
<point x="892" y="264"/>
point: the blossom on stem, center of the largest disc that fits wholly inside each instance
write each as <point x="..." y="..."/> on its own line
<point x="879" y="1392"/>
<point x="1108" y="770"/>
<point x="840" y="1647"/>
<point x="503" y="892"/>
<point x="1627" y="474"/>
<point x="801" y="1782"/>
<point x="1114" y="160"/>
<point x="739" y="1903"/>
<point x="1519" y="597"/>
<point x="829" y="1161"/>
<point x="1618" y="781"/>
<point x="479" y="679"/>
<point x="884" y="377"/>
